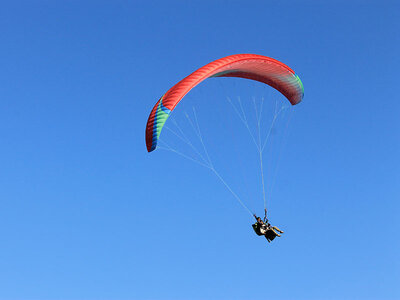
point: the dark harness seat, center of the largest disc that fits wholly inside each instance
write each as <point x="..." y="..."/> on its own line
<point x="270" y="235"/>
<point x="259" y="228"/>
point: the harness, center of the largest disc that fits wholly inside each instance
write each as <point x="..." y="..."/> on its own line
<point x="260" y="229"/>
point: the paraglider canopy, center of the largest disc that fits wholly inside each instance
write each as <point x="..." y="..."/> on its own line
<point x="251" y="66"/>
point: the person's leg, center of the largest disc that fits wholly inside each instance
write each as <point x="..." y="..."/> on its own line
<point x="277" y="229"/>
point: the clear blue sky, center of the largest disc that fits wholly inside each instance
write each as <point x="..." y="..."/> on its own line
<point x="87" y="213"/>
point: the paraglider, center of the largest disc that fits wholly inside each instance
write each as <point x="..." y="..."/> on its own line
<point x="264" y="228"/>
<point x="248" y="66"/>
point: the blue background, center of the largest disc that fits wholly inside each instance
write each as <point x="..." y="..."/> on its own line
<point x="86" y="213"/>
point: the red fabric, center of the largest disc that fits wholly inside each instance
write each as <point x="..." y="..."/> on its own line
<point x="250" y="66"/>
